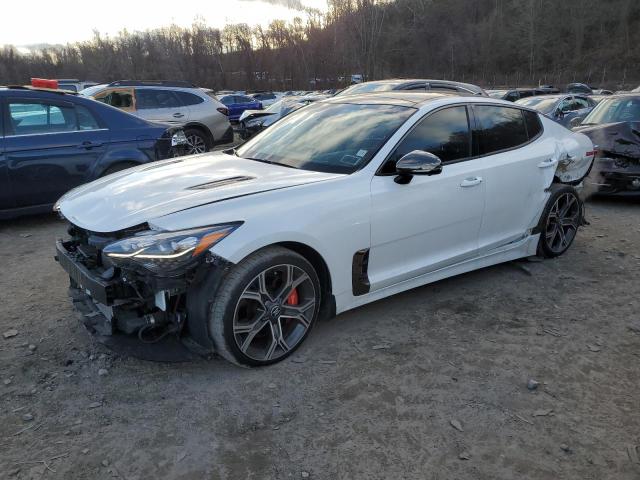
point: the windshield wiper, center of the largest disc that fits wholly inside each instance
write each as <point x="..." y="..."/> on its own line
<point x="270" y="162"/>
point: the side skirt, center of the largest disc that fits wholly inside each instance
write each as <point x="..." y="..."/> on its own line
<point x="522" y="248"/>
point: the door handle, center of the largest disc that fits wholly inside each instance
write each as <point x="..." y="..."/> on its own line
<point x="89" y="145"/>
<point x="471" y="182"/>
<point x="552" y="162"/>
<point x="178" y="115"/>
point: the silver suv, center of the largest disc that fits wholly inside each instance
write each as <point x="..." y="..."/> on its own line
<point x="204" y="119"/>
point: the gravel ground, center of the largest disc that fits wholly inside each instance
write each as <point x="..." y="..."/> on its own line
<point x="429" y="384"/>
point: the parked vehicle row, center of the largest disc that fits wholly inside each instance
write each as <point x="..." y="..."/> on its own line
<point x="343" y="202"/>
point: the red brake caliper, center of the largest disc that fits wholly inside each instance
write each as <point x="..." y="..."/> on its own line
<point x="292" y="299"/>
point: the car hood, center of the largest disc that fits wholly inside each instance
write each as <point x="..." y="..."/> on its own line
<point x="141" y="194"/>
<point x="621" y="138"/>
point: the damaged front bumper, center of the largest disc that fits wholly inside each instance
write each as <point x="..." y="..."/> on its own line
<point x="134" y="308"/>
<point x="618" y="174"/>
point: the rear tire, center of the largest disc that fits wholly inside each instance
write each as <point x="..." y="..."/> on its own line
<point x="560" y="220"/>
<point x="197" y="141"/>
<point x="265" y="307"/>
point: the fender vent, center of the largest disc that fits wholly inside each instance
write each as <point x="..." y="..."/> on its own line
<point x="220" y="183"/>
<point x="359" y="272"/>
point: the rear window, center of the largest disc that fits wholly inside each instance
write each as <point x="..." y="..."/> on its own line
<point x="187" y="98"/>
<point x="533" y="123"/>
<point x="500" y="128"/>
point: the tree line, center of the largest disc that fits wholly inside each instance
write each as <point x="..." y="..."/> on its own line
<point x="487" y="42"/>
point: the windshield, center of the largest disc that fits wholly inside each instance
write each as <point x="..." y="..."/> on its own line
<point x="542" y="104"/>
<point x="497" y="93"/>
<point x="327" y="137"/>
<point x="612" y="110"/>
<point x="367" y="88"/>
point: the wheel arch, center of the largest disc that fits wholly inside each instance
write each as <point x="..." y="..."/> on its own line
<point x="201" y="127"/>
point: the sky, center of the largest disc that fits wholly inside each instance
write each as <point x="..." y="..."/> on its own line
<point x="43" y="21"/>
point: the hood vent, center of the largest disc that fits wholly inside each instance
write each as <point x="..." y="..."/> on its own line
<point x="221" y="183"/>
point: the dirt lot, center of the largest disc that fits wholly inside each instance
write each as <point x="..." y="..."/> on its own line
<point x="376" y="393"/>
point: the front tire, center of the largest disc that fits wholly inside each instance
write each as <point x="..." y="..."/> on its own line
<point x="265" y="308"/>
<point x="561" y="218"/>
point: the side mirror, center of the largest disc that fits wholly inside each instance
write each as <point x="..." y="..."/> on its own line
<point x="417" y="162"/>
<point x="575" y="121"/>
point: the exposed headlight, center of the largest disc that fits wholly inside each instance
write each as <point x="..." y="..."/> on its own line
<point x="166" y="251"/>
<point x="178" y="138"/>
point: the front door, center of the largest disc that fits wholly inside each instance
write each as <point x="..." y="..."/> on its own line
<point x="433" y="221"/>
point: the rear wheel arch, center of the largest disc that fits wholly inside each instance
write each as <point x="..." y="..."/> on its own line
<point x="201" y="128"/>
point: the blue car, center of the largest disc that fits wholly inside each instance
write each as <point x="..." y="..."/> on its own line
<point x="238" y="104"/>
<point x="52" y="141"/>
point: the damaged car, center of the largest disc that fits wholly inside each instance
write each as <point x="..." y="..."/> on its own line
<point x="342" y="203"/>
<point x="614" y="126"/>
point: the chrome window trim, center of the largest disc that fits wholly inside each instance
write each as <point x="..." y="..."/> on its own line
<point x="56" y="133"/>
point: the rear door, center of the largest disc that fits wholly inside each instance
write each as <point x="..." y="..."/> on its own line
<point x="50" y="147"/>
<point x="161" y="105"/>
<point x="519" y="164"/>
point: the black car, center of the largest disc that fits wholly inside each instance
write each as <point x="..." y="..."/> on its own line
<point x="517" y="93"/>
<point x="52" y="141"/>
<point x="417" y="85"/>
<point x="614" y="128"/>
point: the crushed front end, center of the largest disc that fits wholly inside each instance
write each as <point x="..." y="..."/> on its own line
<point x="137" y="282"/>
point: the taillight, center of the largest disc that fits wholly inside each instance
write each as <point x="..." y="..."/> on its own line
<point x="223" y="110"/>
<point x="591" y="153"/>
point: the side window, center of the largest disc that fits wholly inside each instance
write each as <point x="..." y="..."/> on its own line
<point x="147" y="98"/>
<point x="444" y="133"/>
<point x="28" y="118"/>
<point x="86" y="121"/>
<point x="187" y="98"/>
<point x="526" y="93"/>
<point x="532" y="121"/>
<point x="581" y="103"/>
<point x="116" y="98"/>
<point x="227" y="100"/>
<point x="566" y="105"/>
<point x="241" y="99"/>
<point x="500" y="128"/>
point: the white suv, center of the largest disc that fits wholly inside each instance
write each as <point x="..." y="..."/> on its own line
<point x="204" y="119"/>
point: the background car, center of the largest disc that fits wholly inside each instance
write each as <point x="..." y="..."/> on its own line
<point x="414" y="85"/>
<point x="266" y="98"/>
<point x="518" y="93"/>
<point x="254" y="121"/>
<point x="582" y="88"/>
<point x="561" y="108"/>
<point x="614" y="126"/>
<point x="202" y="116"/>
<point x="51" y="142"/>
<point x="238" y="104"/>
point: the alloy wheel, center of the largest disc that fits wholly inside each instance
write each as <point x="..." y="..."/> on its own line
<point x="562" y="222"/>
<point x="274" y="312"/>
<point x="196" y="144"/>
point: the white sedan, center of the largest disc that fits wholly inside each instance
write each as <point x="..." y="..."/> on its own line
<point x="342" y="203"/>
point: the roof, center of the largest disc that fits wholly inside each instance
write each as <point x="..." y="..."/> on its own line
<point x="37" y="89"/>
<point x="402" y="98"/>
